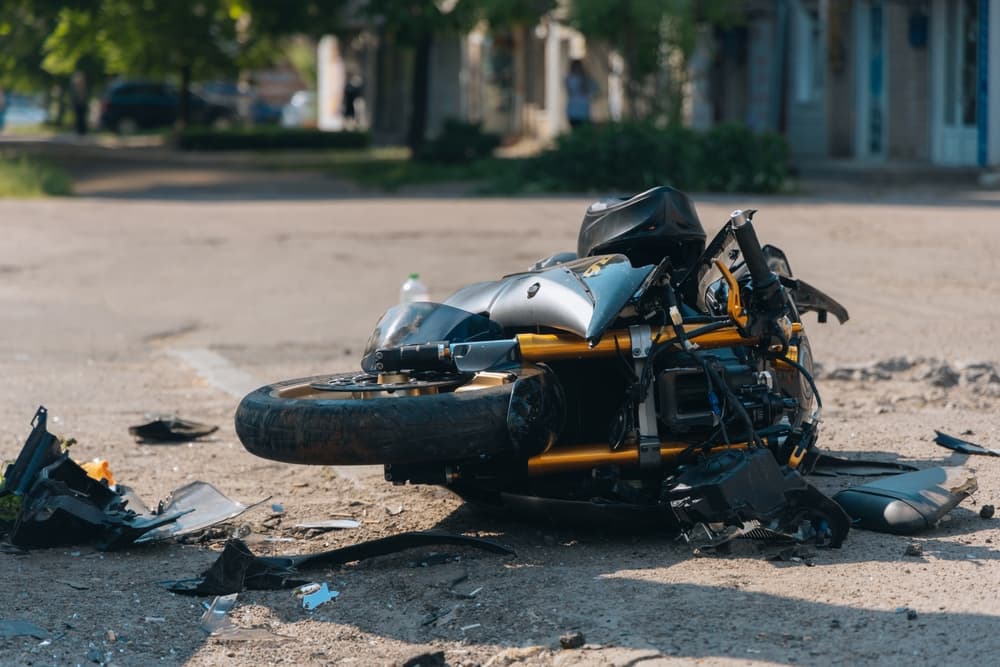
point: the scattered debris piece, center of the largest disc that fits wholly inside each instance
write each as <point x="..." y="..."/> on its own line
<point x="277" y="508"/>
<point x="73" y="584"/>
<point x="22" y="629"/>
<point x="58" y="502"/>
<point x="215" y="622"/>
<point x="198" y="505"/>
<point x="435" y="659"/>
<point x="907" y="503"/>
<point x="794" y="554"/>
<point x="238" y="569"/>
<point x="834" y="466"/>
<point x="329" y="524"/>
<point x="394" y="510"/>
<point x="154" y="619"/>
<point x="914" y="549"/>
<point x="471" y="626"/>
<point x="911" y="614"/>
<point x="963" y="446"/>
<point x="216" y="617"/>
<point x="315" y="595"/>
<point x="170" y="428"/>
<point x="440" y="617"/>
<point x="572" y="640"/>
<point x="100" y="470"/>
<point x="987" y="512"/>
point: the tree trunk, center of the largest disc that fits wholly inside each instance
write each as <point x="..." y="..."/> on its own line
<point x="184" y="101"/>
<point x="419" y="95"/>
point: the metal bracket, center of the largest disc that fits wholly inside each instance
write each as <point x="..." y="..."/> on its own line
<point x="649" y="439"/>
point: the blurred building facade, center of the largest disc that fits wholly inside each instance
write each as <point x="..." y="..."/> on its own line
<point x="874" y="81"/>
<point x="871" y="80"/>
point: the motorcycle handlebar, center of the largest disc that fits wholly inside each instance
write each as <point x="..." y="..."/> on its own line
<point x="750" y="248"/>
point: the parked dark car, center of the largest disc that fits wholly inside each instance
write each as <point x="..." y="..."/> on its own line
<point x="130" y="105"/>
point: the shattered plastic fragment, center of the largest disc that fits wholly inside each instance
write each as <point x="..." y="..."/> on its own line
<point x="216" y="622"/>
<point x="198" y="506"/>
<point x="330" y="524"/>
<point x="99" y="470"/>
<point x="237" y="568"/>
<point x="315" y="595"/>
<point x="61" y="502"/>
<point x="907" y="503"/>
<point x="963" y="446"/>
<point x="170" y="428"/>
<point x="216" y="617"/>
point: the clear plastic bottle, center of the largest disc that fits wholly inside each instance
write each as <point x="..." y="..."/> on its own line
<point x="413" y="290"/>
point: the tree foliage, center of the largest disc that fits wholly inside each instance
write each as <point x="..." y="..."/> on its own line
<point x="656" y="38"/>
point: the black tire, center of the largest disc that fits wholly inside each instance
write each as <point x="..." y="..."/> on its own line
<point x="456" y="426"/>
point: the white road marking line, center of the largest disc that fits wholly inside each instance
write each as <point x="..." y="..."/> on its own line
<point x="217" y="370"/>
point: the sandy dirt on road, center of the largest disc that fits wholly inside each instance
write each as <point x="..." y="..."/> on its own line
<point x="110" y="309"/>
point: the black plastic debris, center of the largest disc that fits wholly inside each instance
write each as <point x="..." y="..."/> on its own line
<point x="60" y="504"/>
<point x="987" y="512"/>
<point x="736" y="488"/>
<point x="907" y="503"/>
<point x="238" y="569"/>
<point x="835" y="466"/>
<point x="170" y="428"/>
<point x="572" y="640"/>
<point x="962" y="446"/>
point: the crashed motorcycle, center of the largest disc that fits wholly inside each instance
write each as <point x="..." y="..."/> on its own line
<point x="646" y="375"/>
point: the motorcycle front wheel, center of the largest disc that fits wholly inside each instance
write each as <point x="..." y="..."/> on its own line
<point x="352" y="419"/>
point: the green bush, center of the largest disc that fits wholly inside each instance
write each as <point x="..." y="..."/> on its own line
<point x="271" y="138"/>
<point x="634" y="156"/>
<point x="24" y="176"/>
<point x="459" y="143"/>
<point x="736" y="159"/>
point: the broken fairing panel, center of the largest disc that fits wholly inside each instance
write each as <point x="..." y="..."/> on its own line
<point x="907" y="503"/>
<point x="963" y="446"/>
<point x="62" y="504"/>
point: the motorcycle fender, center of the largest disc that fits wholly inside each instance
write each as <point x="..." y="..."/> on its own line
<point x="808" y="298"/>
<point x="535" y="414"/>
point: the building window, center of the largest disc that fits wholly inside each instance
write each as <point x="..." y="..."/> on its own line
<point x="961" y="68"/>
<point x="809" y="62"/>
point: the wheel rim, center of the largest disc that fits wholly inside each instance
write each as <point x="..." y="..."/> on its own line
<point x="364" y="386"/>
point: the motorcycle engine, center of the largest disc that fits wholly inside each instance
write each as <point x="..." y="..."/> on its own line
<point x="690" y="407"/>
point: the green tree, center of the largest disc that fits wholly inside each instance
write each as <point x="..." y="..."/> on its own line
<point x="654" y="36"/>
<point x="415" y="23"/>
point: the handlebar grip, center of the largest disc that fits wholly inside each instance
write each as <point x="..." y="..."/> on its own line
<point x="750" y="248"/>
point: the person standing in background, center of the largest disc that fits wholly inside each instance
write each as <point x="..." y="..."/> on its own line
<point x="78" y="95"/>
<point x="579" y="89"/>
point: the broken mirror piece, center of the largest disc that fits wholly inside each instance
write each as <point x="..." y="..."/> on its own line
<point x="170" y="428"/>
<point x="237" y="568"/>
<point x="315" y="595"/>
<point x="962" y="446"/>
<point x="907" y="503"/>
